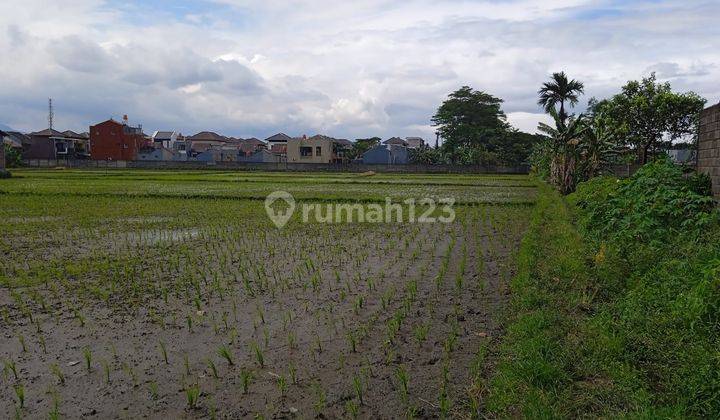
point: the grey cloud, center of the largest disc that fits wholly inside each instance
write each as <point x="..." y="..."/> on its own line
<point x="77" y="54"/>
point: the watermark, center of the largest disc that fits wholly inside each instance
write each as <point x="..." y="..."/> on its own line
<point x="280" y="207"/>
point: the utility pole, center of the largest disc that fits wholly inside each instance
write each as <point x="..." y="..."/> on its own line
<point x="51" y="114"/>
<point x="437" y="138"/>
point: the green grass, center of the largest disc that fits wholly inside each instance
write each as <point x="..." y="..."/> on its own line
<point x="593" y="332"/>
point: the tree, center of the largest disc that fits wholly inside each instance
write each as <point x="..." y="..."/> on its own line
<point x="558" y="91"/>
<point x="361" y="146"/>
<point x="650" y="115"/>
<point x="3" y="172"/>
<point x="469" y="118"/>
<point x="564" y="148"/>
<point x="598" y="148"/>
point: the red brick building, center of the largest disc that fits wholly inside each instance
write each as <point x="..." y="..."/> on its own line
<point x="112" y="140"/>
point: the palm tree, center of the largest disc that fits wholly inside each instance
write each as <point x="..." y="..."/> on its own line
<point x="558" y="91"/>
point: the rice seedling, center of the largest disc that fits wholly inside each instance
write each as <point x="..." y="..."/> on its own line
<point x="55" y="370"/>
<point x="106" y="370"/>
<point x="225" y="353"/>
<point x="246" y="377"/>
<point x="154" y="390"/>
<point x="21" y="339"/>
<point x="257" y="352"/>
<point x="87" y="355"/>
<point x="320" y="398"/>
<point x="192" y="394"/>
<point x="9" y="366"/>
<point x="401" y="374"/>
<point x="352" y="409"/>
<point x="213" y="368"/>
<point x="282" y="385"/>
<point x="20" y="394"/>
<point x="358" y="388"/>
<point x="163" y="351"/>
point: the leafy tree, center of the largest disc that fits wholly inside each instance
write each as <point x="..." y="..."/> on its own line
<point x="427" y="155"/>
<point x="598" y="148"/>
<point x="650" y="115"/>
<point x="361" y="146"/>
<point x="13" y="157"/>
<point x="560" y="90"/>
<point x="469" y="118"/>
<point x="514" y="147"/>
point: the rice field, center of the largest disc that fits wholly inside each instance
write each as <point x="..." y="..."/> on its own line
<point x="126" y="294"/>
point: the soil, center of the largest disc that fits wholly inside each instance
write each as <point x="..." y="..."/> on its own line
<point x="298" y="326"/>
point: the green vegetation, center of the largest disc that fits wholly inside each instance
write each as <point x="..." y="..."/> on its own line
<point x="620" y="317"/>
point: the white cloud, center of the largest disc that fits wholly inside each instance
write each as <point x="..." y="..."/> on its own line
<point x="350" y="69"/>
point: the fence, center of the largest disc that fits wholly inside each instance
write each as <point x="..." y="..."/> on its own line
<point x="273" y="166"/>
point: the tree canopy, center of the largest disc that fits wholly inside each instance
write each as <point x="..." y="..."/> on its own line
<point x="474" y="129"/>
<point x="649" y="115"/>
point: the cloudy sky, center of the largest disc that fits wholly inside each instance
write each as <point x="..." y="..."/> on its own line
<point x="346" y="69"/>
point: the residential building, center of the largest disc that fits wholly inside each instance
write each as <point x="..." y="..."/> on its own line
<point x="41" y="144"/>
<point x="316" y="149"/>
<point x="261" y="156"/>
<point x="386" y="154"/>
<point x="165" y="139"/>
<point x="113" y="140"/>
<point x="397" y="141"/>
<point x="252" y="145"/>
<point x="278" y="143"/>
<point x="76" y="145"/>
<point x="156" y="153"/>
<point x="205" y="140"/>
<point x="414" y="142"/>
<point x="15" y="139"/>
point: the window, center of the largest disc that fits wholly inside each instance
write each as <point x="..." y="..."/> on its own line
<point x="306" y="151"/>
<point x="318" y="151"/>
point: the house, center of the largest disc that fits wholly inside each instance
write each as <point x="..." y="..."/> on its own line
<point x="205" y="140"/>
<point x="316" y="149"/>
<point x="156" y="154"/>
<point x="397" y="141"/>
<point x="113" y="140"/>
<point x="252" y="145"/>
<point x="386" y="154"/>
<point x="165" y="138"/>
<point x="41" y="144"/>
<point x="278" y="143"/>
<point x="77" y="145"/>
<point x="414" y="142"/>
<point x="261" y="156"/>
<point x="15" y="139"/>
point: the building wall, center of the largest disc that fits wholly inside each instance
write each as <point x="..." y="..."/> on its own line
<point x="709" y="146"/>
<point x="294" y="148"/>
<point x="377" y="155"/>
<point x="39" y="147"/>
<point x="108" y="141"/>
<point x="277" y="166"/>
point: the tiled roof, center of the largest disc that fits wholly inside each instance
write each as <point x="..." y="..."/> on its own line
<point x="278" y="137"/>
<point x="207" y="136"/>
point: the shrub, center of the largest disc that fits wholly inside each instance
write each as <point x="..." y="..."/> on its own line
<point x="655" y="204"/>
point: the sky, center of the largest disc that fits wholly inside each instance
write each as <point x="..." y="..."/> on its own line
<point x="346" y="69"/>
